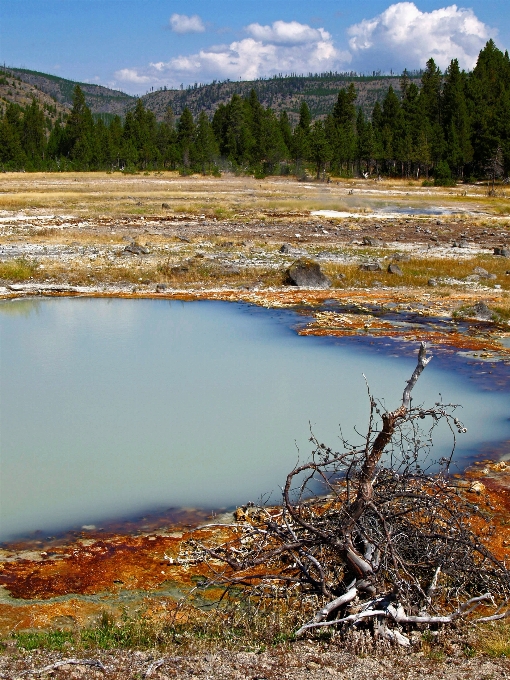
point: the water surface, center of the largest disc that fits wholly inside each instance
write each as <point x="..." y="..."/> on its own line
<point x="115" y="407"/>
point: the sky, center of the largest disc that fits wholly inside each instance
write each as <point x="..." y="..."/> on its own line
<point x="136" y="45"/>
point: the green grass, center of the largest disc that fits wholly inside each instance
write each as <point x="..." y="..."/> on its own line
<point x="20" y="269"/>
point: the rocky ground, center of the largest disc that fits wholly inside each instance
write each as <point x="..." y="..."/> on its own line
<point x="310" y="661"/>
<point x="388" y="266"/>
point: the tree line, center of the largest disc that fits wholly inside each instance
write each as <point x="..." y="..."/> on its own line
<point x="455" y="126"/>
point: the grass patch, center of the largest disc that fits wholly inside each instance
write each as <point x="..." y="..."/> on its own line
<point x="17" y="270"/>
<point x="417" y="272"/>
<point x="493" y="640"/>
<point x="239" y="625"/>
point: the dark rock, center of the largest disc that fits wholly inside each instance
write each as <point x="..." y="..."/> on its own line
<point x="395" y="269"/>
<point x="307" y="273"/>
<point x="370" y="267"/>
<point x="481" y="311"/>
<point x="401" y="257"/>
<point x="504" y="252"/>
<point x="136" y="249"/>
<point x="165" y="205"/>
<point x="160" y="288"/>
<point x="374" y="242"/>
<point x="287" y="249"/>
<point x="432" y="283"/>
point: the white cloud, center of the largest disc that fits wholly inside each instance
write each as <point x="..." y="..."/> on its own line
<point x="131" y="75"/>
<point x="283" y="47"/>
<point x="403" y="36"/>
<point x="287" y="33"/>
<point x="180" y="23"/>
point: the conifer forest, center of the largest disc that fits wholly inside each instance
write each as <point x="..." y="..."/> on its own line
<point x="449" y="126"/>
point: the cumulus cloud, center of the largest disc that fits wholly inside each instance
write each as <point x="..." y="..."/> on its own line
<point x="180" y="23"/>
<point x="405" y="37"/>
<point x="131" y="75"/>
<point x="400" y="37"/>
<point x="282" y="47"/>
<point x="287" y="33"/>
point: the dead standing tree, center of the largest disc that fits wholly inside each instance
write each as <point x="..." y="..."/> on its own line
<point x="370" y="533"/>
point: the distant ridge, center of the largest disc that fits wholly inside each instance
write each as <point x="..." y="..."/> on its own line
<point x="99" y="99"/>
<point x="282" y="93"/>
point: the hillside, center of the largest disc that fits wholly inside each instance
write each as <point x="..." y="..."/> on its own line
<point x="18" y="92"/>
<point x="281" y="93"/>
<point x="99" y="99"/>
<point x="284" y="93"/>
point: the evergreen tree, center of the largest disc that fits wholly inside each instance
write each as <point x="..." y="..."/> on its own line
<point x="456" y="123"/>
<point x="205" y="148"/>
<point x="185" y="136"/>
<point x="320" y="150"/>
<point x="33" y="135"/>
<point x="79" y="131"/>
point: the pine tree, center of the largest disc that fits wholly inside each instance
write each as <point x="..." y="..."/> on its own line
<point x="33" y="136"/>
<point x="79" y="131"/>
<point x="205" y="148"/>
<point x="185" y="136"/>
<point x="320" y="150"/>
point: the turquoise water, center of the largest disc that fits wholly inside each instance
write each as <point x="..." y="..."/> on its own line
<point x="115" y="407"/>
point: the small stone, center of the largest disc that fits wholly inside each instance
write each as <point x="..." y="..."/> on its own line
<point x="165" y="205"/>
<point x="136" y="249"/>
<point x="160" y="288"/>
<point x="287" y="249"/>
<point x="477" y="487"/>
<point x="432" y="283"/>
<point x="373" y="242"/>
<point x="480" y="271"/>
<point x="503" y="252"/>
<point x="401" y="257"/>
<point x="473" y="278"/>
<point x="370" y="267"/>
<point x="482" y="311"/>
<point x="395" y="269"/>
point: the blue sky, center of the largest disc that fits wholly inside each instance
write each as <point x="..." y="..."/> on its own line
<point x="138" y="44"/>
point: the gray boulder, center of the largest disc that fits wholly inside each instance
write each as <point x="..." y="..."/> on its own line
<point x="287" y="249"/>
<point x="401" y="257"/>
<point x="395" y="269"/>
<point x="135" y="249"/>
<point x="373" y="242"/>
<point x="370" y="267"/>
<point x="307" y="273"/>
<point x="503" y="252"/>
<point x="481" y="311"/>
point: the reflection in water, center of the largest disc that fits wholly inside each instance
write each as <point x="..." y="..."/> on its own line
<point x="19" y="307"/>
<point x="113" y="407"/>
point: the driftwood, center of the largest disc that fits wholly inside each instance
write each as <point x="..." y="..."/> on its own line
<point x="371" y="533"/>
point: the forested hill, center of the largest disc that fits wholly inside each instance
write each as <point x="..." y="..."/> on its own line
<point x="99" y="99"/>
<point x="285" y="93"/>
